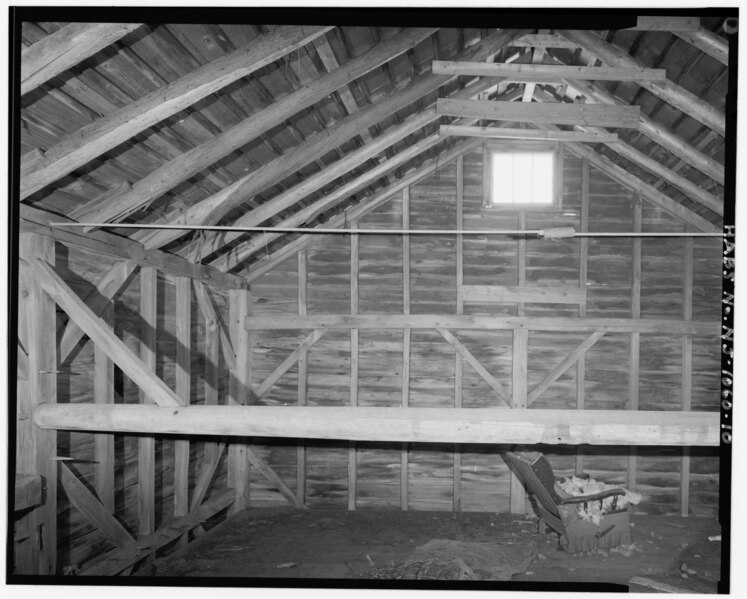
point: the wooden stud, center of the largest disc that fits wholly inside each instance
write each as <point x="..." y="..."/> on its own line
<point x="687" y="368"/>
<point x="103" y="443"/>
<point x="303" y="375"/>
<point x="104" y="134"/>
<point x="212" y="320"/>
<point x="239" y="389"/>
<point x="458" y="360"/>
<point x="406" y="343"/>
<point x="352" y="452"/>
<point x="583" y="261"/>
<point x="519" y="402"/>
<point x="395" y="425"/>
<point x="635" y="338"/>
<point x="37" y="554"/>
<point x="558" y="113"/>
<point x="213" y="332"/>
<point x="183" y="390"/>
<point x="146" y="464"/>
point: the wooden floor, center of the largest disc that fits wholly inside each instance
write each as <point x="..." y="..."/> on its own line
<point x="287" y="545"/>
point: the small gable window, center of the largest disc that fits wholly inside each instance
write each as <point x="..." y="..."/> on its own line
<point x="521" y="175"/>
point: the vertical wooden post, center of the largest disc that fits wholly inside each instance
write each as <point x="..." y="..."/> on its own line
<point x="303" y="373"/>
<point x="352" y="452"/>
<point x="146" y="446"/>
<point x="406" y="341"/>
<point x="183" y="390"/>
<point x="459" y="363"/>
<point x="239" y="308"/>
<point x="687" y="369"/>
<point x="37" y="448"/>
<point x="635" y="338"/>
<point x="103" y="443"/>
<point x="519" y="367"/>
<point x="583" y="274"/>
<point x="212" y="376"/>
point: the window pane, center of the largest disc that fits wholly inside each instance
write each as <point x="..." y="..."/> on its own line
<point x="522" y="177"/>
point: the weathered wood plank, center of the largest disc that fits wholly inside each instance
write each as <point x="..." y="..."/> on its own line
<point x="561" y="114"/>
<point x="103" y="392"/>
<point x="285" y="365"/>
<point x="213" y="322"/>
<point x="183" y="335"/>
<point x="448" y="321"/>
<point x="303" y="374"/>
<point x="354" y="362"/>
<point x="687" y="367"/>
<point x="431" y="425"/>
<point x="106" y="133"/>
<point x="28" y="491"/>
<point x="667" y="23"/>
<point x="538" y="294"/>
<point x="545" y="72"/>
<point x="534" y="134"/>
<point x="707" y="41"/>
<point x="65" y="48"/>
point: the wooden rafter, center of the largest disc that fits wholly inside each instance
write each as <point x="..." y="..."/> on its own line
<point x="670" y="92"/>
<point x="106" y="133"/>
<point x="658" y="133"/>
<point x="707" y="41"/>
<point x="429" y="425"/>
<point x="544" y="72"/>
<point x="357" y="123"/>
<point x="561" y="114"/>
<point x="105" y="338"/>
<point x="193" y="161"/>
<point x="66" y="48"/>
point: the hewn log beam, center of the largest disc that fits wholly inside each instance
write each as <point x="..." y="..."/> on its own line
<point x="536" y="134"/>
<point x="668" y="91"/>
<point x="707" y="41"/>
<point x="108" y="132"/>
<point x="105" y="338"/>
<point x="37" y="221"/>
<point x="212" y="208"/>
<point x="193" y="161"/>
<point x="428" y="425"/>
<point x="658" y="133"/>
<point x="450" y="321"/>
<point x="65" y="48"/>
<point x="561" y="114"/>
<point x="544" y="72"/>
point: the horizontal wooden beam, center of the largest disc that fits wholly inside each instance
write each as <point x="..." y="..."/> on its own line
<point x="37" y="221"/>
<point x="543" y="295"/>
<point x="118" y="561"/>
<point x="104" y="337"/>
<point x="28" y="491"/>
<point x="65" y="48"/>
<point x="667" y="23"/>
<point x="544" y="72"/>
<point x="542" y="40"/>
<point x="561" y="114"/>
<point x="535" y="134"/>
<point x="447" y="321"/>
<point x="428" y="425"/>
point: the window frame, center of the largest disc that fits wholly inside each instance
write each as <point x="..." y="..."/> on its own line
<point x="530" y="146"/>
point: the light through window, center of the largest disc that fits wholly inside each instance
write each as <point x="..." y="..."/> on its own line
<point x="522" y="178"/>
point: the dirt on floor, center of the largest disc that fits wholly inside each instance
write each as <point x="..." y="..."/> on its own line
<point x="365" y="545"/>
